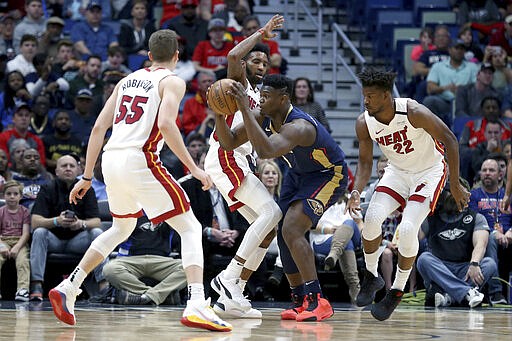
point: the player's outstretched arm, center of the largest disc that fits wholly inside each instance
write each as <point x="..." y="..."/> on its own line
<point x="102" y="124"/>
<point x="421" y="117"/>
<point x="364" y="165"/>
<point x="235" y="68"/>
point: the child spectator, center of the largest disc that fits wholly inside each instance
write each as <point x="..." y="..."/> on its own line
<point x="426" y="39"/>
<point x="14" y="235"/>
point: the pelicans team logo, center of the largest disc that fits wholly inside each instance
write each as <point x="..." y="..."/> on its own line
<point x="316" y="206"/>
<point x="452" y="234"/>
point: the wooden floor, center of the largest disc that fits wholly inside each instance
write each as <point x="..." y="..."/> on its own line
<point x="35" y="321"/>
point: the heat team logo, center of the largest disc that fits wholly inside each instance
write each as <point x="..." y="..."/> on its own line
<point x="316" y="206"/>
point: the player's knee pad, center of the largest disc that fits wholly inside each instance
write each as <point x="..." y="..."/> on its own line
<point x="373" y="220"/>
<point x="121" y="229"/>
<point x="408" y="239"/>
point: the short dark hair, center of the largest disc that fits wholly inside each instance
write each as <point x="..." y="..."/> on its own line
<point x="28" y="37"/>
<point x="490" y="98"/>
<point x="195" y="137"/>
<point x="378" y="78"/>
<point x="259" y="47"/>
<point x="280" y="82"/>
<point x="498" y="156"/>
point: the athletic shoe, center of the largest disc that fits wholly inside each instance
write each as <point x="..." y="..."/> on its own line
<point x="36" y="292"/>
<point x="431" y="292"/>
<point x="231" y="289"/>
<point x="383" y="310"/>
<point x="228" y="308"/>
<point x="199" y="314"/>
<point x="127" y="298"/>
<point x="498" y="298"/>
<point x="22" y="295"/>
<point x="318" y="309"/>
<point x="442" y="300"/>
<point x="369" y="288"/>
<point x="299" y="304"/>
<point x="474" y="297"/>
<point x="62" y="298"/>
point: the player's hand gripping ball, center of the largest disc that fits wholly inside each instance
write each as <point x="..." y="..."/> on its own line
<point x="218" y="98"/>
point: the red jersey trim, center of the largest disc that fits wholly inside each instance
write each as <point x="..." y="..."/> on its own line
<point x="231" y="169"/>
<point x="391" y="193"/>
<point x="129" y="215"/>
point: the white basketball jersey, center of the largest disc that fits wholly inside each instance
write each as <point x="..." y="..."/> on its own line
<point x="233" y="120"/>
<point x="137" y="104"/>
<point x="406" y="147"/>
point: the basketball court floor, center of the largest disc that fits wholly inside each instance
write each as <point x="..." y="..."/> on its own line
<point x="100" y="322"/>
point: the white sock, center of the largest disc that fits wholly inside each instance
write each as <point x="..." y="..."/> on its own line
<point x="242" y="284"/>
<point x="195" y="291"/>
<point x="77" y="277"/>
<point x="372" y="261"/>
<point x="401" y="278"/>
<point x="234" y="270"/>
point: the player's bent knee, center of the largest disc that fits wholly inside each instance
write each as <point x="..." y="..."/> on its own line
<point x="373" y="220"/>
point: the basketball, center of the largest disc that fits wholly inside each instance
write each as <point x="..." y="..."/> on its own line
<point x="218" y="98"/>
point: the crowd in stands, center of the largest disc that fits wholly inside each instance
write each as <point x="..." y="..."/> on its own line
<point x="56" y="75"/>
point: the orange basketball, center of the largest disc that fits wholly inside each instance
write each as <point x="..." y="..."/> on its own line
<point x="219" y="100"/>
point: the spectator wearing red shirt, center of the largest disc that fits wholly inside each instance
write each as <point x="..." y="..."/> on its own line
<point x="196" y="115"/>
<point x="500" y="34"/>
<point x="21" y="121"/>
<point x="212" y="55"/>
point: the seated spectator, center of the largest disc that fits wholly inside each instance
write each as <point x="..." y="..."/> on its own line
<point x="65" y="66"/>
<point x="91" y="36"/>
<point x="21" y="120"/>
<point x="16" y="150"/>
<point x="31" y="175"/>
<point x="492" y="144"/>
<point x="135" y="32"/>
<point x="469" y="97"/>
<point x="98" y="183"/>
<point x="473" y="51"/>
<point x="212" y="55"/>
<point x="15" y="92"/>
<point x="197" y="116"/>
<point x="59" y="226"/>
<point x="61" y="142"/>
<point x="422" y="66"/>
<point x="455" y="267"/>
<point x="499" y="34"/>
<point x="43" y="78"/>
<point x="23" y="61"/>
<point x="188" y="25"/>
<point x="115" y="60"/>
<point x="234" y="14"/>
<point x="196" y="145"/>
<point x="184" y="67"/>
<point x="473" y="133"/>
<point x="443" y="80"/>
<point x="337" y="235"/>
<point x="426" y="37"/>
<point x="49" y="39"/>
<point x="502" y="76"/>
<point x="110" y="80"/>
<point x="5" y="172"/>
<point x="32" y="24"/>
<point x="82" y="119"/>
<point x="14" y="236"/>
<point x="91" y="80"/>
<point x="250" y="25"/>
<point x="7" y="24"/>
<point x="484" y="12"/>
<point x="486" y="200"/>
<point x="41" y="123"/>
<point x="303" y="97"/>
<point x="146" y="255"/>
<point x="223" y="230"/>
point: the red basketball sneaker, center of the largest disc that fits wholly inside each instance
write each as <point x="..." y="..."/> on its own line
<point x="299" y="304"/>
<point x="318" y="309"/>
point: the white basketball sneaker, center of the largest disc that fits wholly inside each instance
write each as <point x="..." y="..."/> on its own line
<point x="474" y="297"/>
<point x="230" y="288"/>
<point x="199" y="314"/>
<point x="229" y="308"/>
<point x="62" y="298"/>
<point x="442" y="300"/>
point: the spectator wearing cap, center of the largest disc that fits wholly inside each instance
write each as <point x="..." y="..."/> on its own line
<point x="444" y="78"/>
<point x="33" y="23"/>
<point x="189" y="26"/>
<point x="469" y="97"/>
<point x="31" y="175"/>
<point x="7" y="24"/>
<point x="81" y="117"/>
<point x="23" y="61"/>
<point x="50" y="38"/>
<point x="92" y="37"/>
<point x="61" y="141"/>
<point x="90" y="79"/>
<point x="212" y="55"/>
<point x="500" y="34"/>
<point x="135" y="32"/>
<point x="21" y="121"/>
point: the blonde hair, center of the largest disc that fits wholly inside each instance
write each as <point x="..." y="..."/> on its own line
<point x="272" y="163"/>
<point x="12" y="183"/>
